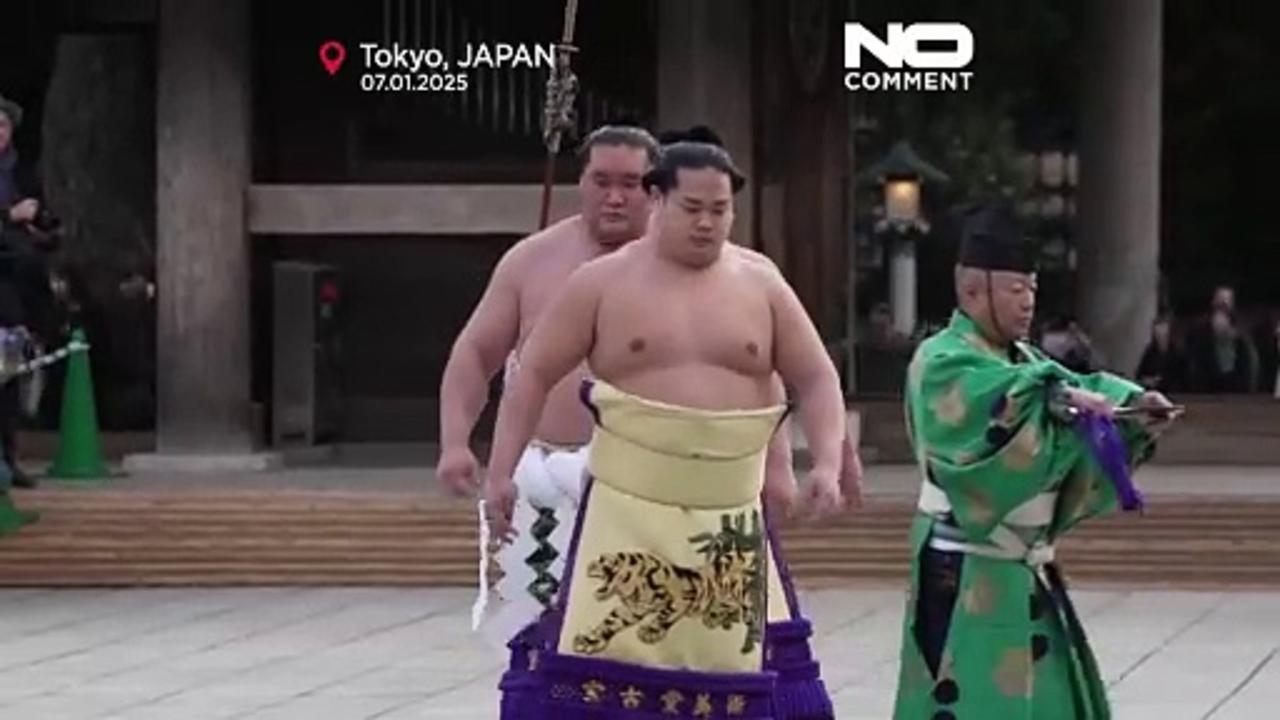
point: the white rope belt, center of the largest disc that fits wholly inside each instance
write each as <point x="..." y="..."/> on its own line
<point x="1010" y="547"/>
<point x="1005" y="543"/>
<point x="552" y="490"/>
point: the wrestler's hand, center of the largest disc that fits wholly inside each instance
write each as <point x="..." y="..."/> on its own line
<point x="459" y="470"/>
<point x="822" y="496"/>
<point x="500" y="505"/>
<point x="850" y="475"/>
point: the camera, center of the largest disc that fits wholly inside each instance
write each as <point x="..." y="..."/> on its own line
<point x="46" y="222"/>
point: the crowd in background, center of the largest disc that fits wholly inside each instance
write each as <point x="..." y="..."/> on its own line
<point x="1222" y="350"/>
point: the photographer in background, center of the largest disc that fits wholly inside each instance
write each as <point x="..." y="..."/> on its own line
<point x="20" y="210"/>
<point x="1065" y="341"/>
<point x="28" y="233"/>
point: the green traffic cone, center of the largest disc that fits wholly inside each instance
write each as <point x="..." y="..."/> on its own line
<point x="79" y="450"/>
<point x="11" y="518"/>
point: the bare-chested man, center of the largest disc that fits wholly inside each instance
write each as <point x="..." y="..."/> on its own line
<point x="668" y="577"/>
<point x="615" y="211"/>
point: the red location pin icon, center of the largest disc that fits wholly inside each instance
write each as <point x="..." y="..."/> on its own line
<point x="332" y="53"/>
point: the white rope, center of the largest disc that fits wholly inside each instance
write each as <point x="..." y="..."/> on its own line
<point x="48" y="359"/>
<point x="45" y="360"/>
<point x="482" y="601"/>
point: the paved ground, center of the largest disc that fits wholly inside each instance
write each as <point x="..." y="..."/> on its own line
<point x="356" y="654"/>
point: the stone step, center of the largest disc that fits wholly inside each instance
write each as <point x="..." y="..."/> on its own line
<point x="808" y="575"/>
<point x="105" y="537"/>
<point x="91" y="500"/>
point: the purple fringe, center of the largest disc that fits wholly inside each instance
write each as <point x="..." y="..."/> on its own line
<point x="1107" y="446"/>
<point x="520" y="686"/>
<point x="578" y="688"/>
<point x="800" y="692"/>
<point x="523" y="687"/>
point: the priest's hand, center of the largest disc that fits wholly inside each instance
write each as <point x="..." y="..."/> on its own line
<point x="1093" y="402"/>
<point x="1162" y="412"/>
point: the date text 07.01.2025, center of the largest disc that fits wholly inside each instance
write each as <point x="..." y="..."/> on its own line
<point x="414" y="82"/>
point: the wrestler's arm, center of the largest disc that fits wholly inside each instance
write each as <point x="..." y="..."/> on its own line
<point x="479" y="352"/>
<point x="804" y="364"/>
<point x="779" y="475"/>
<point x="560" y="341"/>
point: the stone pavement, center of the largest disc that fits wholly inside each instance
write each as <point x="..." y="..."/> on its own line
<point x="360" y="654"/>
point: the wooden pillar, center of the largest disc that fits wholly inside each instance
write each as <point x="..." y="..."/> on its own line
<point x="805" y="156"/>
<point x="203" y="172"/>
<point x="704" y="78"/>
<point x="1119" y="200"/>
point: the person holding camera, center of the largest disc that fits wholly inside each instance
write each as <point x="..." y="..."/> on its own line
<point x="28" y="233"/>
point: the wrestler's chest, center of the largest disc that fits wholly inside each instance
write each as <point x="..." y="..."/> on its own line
<point x="664" y="329"/>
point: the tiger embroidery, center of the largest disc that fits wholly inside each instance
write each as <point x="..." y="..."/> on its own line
<point x="656" y="594"/>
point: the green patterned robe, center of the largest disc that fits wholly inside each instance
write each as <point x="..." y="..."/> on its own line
<point x="985" y="431"/>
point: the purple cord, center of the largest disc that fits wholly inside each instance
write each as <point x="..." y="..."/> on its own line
<point x="1102" y="437"/>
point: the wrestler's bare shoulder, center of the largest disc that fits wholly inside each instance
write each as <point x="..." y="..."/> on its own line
<point x="755" y="257"/>
<point x="610" y="265"/>
<point x="755" y="261"/>
<point x="542" y="244"/>
<point x="757" y="267"/>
